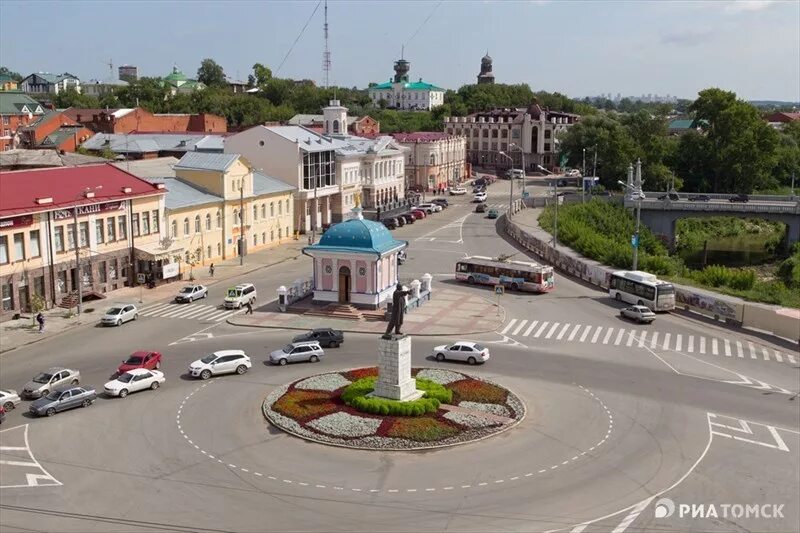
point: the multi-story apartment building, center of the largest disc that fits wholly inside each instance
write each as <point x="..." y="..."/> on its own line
<point x="533" y="131"/>
<point x="434" y="160"/>
<point x="17" y="110"/>
<point x="45" y="82"/>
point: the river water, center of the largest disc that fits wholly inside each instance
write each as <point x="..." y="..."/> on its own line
<point x="740" y="251"/>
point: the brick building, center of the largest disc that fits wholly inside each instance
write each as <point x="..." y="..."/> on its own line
<point x="16" y="111"/>
<point x="54" y="130"/>
<point x="141" y="120"/>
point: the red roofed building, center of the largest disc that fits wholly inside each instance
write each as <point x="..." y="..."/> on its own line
<point x="119" y="230"/>
<point x="435" y="160"/>
<point x="54" y="130"/>
<point x="777" y="120"/>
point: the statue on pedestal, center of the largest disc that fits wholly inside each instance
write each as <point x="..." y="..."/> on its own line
<point x="398" y="310"/>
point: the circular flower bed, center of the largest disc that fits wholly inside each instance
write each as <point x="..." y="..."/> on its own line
<point x="334" y="409"/>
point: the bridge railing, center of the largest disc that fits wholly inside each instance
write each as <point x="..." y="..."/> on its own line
<point x="652" y="195"/>
<point x="711" y="207"/>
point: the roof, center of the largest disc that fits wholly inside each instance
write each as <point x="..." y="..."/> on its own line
<point x="263" y="184"/>
<point x="357" y="235"/>
<point x="114" y="82"/>
<point x="18" y="103"/>
<point x="64" y="185"/>
<point x="305" y="120"/>
<point x="52" y="78"/>
<point x="5" y="77"/>
<point x="181" y="193"/>
<point x="207" y="161"/>
<point x="211" y="143"/>
<point x="60" y="135"/>
<point x="681" y="124"/>
<point x="383" y="145"/>
<point x="307" y="140"/>
<point x="144" y="142"/>
<point x="45" y="158"/>
<point x="42" y="119"/>
<point x="421" y="136"/>
<point x="408" y="86"/>
<point x="87" y="113"/>
<point x="176" y="75"/>
<point x="160" y="167"/>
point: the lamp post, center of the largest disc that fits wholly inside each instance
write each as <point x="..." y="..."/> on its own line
<point x="524" y="168"/>
<point x="510" y="184"/>
<point x="241" y="224"/>
<point x="88" y="192"/>
<point x="635" y="193"/>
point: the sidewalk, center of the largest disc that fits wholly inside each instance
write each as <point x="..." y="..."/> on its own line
<point x="450" y="313"/>
<point x="16" y="333"/>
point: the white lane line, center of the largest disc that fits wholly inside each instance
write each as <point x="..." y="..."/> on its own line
<point x="654" y="341"/>
<point x="690" y="347"/>
<point x="530" y="328"/>
<point x="608" y="335"/>
<point x="596" y="334"/>
<point x="665" y="346"/>
<point x="585" y="333"/>
<point x="508" y="326"/>
<point x="541" y="329"/>
<point x="633" y="515"/>
<point x="727" y="347"/>
<point x="552" y="330"/>
<point x="519" y="327"/>
<point x="18" y="463"/>
<point x="752" y="350"/>
<point x="739" y="349"/>
<point x="619" y="336"/>
<point x="574" y="332"/>
<point x="563" y="331"/>
<point x="702" y="345"/>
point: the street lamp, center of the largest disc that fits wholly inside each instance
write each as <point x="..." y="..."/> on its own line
<point x="524" y="168"/>
<point x="88" y="192"/>
<point x="510" y="184"/>
<point x="637" y="194"/>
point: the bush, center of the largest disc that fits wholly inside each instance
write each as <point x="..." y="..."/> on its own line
<point x="355" y="395"/>
<point x="720" y="276"/>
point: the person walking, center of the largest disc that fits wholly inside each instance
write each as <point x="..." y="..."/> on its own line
<point x="249" y="306"/>
<point x="211" y="270"/>
<point x="40" y="320"/>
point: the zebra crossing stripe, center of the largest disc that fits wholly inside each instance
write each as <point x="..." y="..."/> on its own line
<point x="631" y="338"/>
<point x="777" y="355"/>
<point x="766" y="353"/>
<point x="597" y="334"/>
<point x="574" y="332"/>
<point x="150" y="309"/>
<point x="177" y="310"/>
<point x="752" y="350"/>
<point x="519" y="327"/>
<point x="702" y="345"/>
<point x="665" y="346"/>
<point x="222" y="316"/>
<point x="608" y="335"/>
<point x="619" y="337"/>
<point x="563" y="331"/>
<point x="690" y="347"/>
<point x="791" y="359"/>
<point x="654" y="341"/>
<point x="585" y="333"/>
<point x="508" y="326"/>
<point x="739" y="350"/>
<point x="714" y="346"/>
<point x="204" y="310"/>
<point x="552" y="330"/>
<point x="727" y="348"/>
<point x="541" y="329"/>
<point x="642" y="339"/>
<point x="679" y="343"/>
<point x="530" y="328"/>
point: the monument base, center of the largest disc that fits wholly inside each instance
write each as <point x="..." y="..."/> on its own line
<point x="394" y="370"/>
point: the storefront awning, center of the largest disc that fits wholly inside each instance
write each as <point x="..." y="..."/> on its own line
<point x="154" y="251"/>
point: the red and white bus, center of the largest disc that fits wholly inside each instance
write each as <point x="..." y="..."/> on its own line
<point x="514" y="275"/>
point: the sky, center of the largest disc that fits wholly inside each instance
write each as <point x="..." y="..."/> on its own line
<point x="578" y="48"/>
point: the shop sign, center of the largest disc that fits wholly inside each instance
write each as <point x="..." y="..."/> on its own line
<point x="169" y="270"/>
<point x="92" y="209"/>
<point x="16" y="222"/>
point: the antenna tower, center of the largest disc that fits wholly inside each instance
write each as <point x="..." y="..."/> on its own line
<point x="326" y="55"/>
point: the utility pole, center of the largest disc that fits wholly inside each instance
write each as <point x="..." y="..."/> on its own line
<point x="594" y="169"/>
<point x="510" y="184"/>
<point x="583" y="178"/>
<point x="555" y="224"/>
<point x="241" y="224"/>
<point x="78" y="276"/>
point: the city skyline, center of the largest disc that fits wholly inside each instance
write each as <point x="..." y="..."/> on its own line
<point x="675" y="48"/>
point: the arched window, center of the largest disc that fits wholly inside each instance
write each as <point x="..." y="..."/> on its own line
<point x="174" y="229"/>
<point x="255" y="239"/>
<point x="208" y="251"/>
<point x="219" y="219"/>
<point x="264" y="238"/>
<point x="280" y="235"/>
<point x="235" y="216"/>
<point x="186" y="229"/>
<point x="255" y="212"/>
<point x="280" y="209"/>
<point x="271" y="235"/>
<point x="287" y="207"/>
<point x="433" y="159"/>
<point x="208" y="226"/>
<point x="197" y="224"/>
<point x="263" y="210"/>
<point x="219" y="249"/>
<point x="272" y="209"/>
<point x="335" y="126"/>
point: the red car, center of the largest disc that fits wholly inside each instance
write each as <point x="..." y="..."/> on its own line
<point x="144" y="359"/>
<point x="419" y="213"/>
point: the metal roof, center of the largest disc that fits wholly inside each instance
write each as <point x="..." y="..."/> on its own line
<point x="207" y="161"/>
<point x="144" y="142"/>
<point x="181" y="193"/>
<point x="14" y="103"/>
<point x="263" y="184"/>
<point x="307" y="140"/>
<point x="45" y="158"/>
<point x="160" y="167"/>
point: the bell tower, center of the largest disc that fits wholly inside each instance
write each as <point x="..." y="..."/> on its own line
<point x="486" y="75"/>
<point x="335" y="116"/>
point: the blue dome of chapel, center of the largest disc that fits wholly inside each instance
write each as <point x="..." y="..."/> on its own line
<point x="358" y="235"/>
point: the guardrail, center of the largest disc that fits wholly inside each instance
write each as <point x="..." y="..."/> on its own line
<point x="737" y="207"/>
<point x="720" y="196"/>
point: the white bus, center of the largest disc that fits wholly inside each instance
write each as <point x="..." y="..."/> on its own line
<point x="514" y="275"/>
<point x="642" y="288"/>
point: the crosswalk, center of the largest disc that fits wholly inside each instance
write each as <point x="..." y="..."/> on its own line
<point x="193" y="311"/>
<point x="642" y="338"/>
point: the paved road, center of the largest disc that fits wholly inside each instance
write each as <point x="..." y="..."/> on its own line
<point x="612" y="428"/>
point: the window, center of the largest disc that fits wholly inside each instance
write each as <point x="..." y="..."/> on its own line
<point x="255" y="239"/>
<point x="208" y="251"/>
<point x="197" y="223"/>
<point x="186" y="257"/>
<point x="185" y="226"/>
<point x="101" y="270"/>
<point x="36" y="250"/>
<point x="263" y="210"/>
<point x="219" y="249"/>
<point x="271" y="235"/>
<point x="8" y="299"/>
<point x="98" y="230"/>
<point x="287" y="231"/>
<point x="255" y="212"/>
<point x="515" y="134"/>
<point x="59" y="237"/>
<point x="110" y="227"/>
<point x="504" y="133"/>
<point x="174" y="229"/>
<point x="280" y="208"/>
<point x="235" y="216"/>
<point x="83" y="230"/>
<point x="154" y="227"/>
<point x="272" y="209"/>
<point x="123" y="228"/>
<point x="145" y="223"/>
<point x="287" y="207"/>
<point x="19" y="246"/>
<point x="264" y="238"/>
<point x="280" y="235"/>
<point x="219" y="219"/>
<point x="135" y="225"/>
<point x="208" y="223"/>
<point x="3" y="258"/>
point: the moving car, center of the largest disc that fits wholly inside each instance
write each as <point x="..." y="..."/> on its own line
<point x="639" y="313"/>
<point x="240" y="295"/>
<point x="492" y="213"/>
<point x="430" y="208"/>
<point x="700" y="198"/>
<point x="119" y="314"/>
<point x="574" y="173"/>
<point x="9" y="399"/>
<point x="327" y="337"/>
<point x="191" y="293"/>
<point x="220" y="362"/>
<point x="441" y="201"/>
<point x="2" y="414"/>
<point x="742" y="198"/>
<point x="141" y="359"/>
<point x="480" y="197"/>
<point x="134" y="381"/>
<point x="49" y="380"/>
<point x="671" y="196"/>
<point x="468" y="351"/>
<point x="480" y="208"/>
<point x="458" y="191"/>
<point x="61" y="399"/>
<point x="297" y="351"/>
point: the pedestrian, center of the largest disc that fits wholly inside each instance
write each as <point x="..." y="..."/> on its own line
<point x="211" y="270"/>
<point x="40" y="320"/>
<point x="249" y="306"/>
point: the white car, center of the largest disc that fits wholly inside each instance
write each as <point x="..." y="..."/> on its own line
<point x="458" y="191"/>
<point x="468" y="351"/>
<point x="119" y="314"/>
<point x="191" y="293"/>
<point x="221" y="362"/>
<point x="240" y="295"/>
<point x="639" y="313"/>
<point x="430" y="208"/>
<point x="133" y="381"/>
<point x="480" y="197"/>
<point x="9" y="399"/>
<point x="574" y="173"/>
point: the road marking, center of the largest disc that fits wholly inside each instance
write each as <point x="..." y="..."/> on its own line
<point x="633" y="515"/>
<point x="766" y="353"/>
<point x="714" y="346"/>
<point x="574" y="332"/>
<point x="745" y="428"/>
<point x="508" y="326"/>
<point x="642" y="339"/>
<point x="585" y="333"/>
<point x="791" y="359"/>
<point x="690" y="347"/>
<point x="678" y="342"/>
<point x="739" y="350"/>
<point x="608" y="335"/>
<point x="667" y="336"/>
<point x="631" y="338"/>
<point x="519" y="328"/>
<point x="563" y="331"/>
<point x="18" y="463"/>
<point x="727" y="347"/>
<point x="752" y="350"/>
<point x="40" y="478"/>
<point x="530" y="328"/>
<point x="552" y="330"/>
<point x="541" y="329"/>
<point x="777" y="355"/>
<point x="619" y="337"/>
<point x="654" y="341"/>
<point x="702" y="345"/>
<point x="596" y="334"/>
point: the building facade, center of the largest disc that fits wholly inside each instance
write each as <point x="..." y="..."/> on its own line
<point x="45" y="82"/>
<point x="118" y="216"/>
<point x="7" y="83"/>
<point x="17" y="110"/>
<point x="128" y="73"/>
<point x="99" y="88"/>
<point x="140" y="120"/>
<point x="533" y="131"/>
<point x="400" y="93"/>
<point x="54" y="131"/>
<point x="434" y="160"/>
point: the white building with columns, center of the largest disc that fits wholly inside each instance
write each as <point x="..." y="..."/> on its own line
<point x="400" y="93"/>
<point x="434" y="159"/>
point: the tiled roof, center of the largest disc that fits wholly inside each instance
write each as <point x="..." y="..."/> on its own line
<point x="15" y="103"/>
<point x="65" y="186"/>
<point x="263" y="184"/>
<point x="207" y="161"/>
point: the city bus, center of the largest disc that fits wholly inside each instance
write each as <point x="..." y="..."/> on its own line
<point x="642" y="288"/>
<point x="514" y="275"/>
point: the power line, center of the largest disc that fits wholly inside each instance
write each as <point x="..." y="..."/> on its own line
<point x="298" y="37"/>
<point x="423" y="23"/>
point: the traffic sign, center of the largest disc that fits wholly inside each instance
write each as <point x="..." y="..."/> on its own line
<point x="635" y="241"/>
<point x="525" y="194"/>
<point x="140" y="278"/>
<point x="499" y="289"/>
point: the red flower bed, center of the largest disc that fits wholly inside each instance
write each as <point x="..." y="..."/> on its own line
<point x="421" y="429"/>
<point x="471" y="390"/>
<point x="358" y="373"/>
<point x="305" y="404"/>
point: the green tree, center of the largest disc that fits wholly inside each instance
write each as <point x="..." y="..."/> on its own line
<point x="653" y="147"/>
<point x="615" y="147"/>
<point x="261" y="75"/>
<point x="211" y="74"/>
<point x="72" y="98"/>
<point x="15" y="75"/>
<point x="149" y="93"/>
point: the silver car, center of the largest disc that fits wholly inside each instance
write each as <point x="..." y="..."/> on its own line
<point x="9" y="399"/>
<point x="119" y="314"/>
<point x="297" y="351"/>
<point x="191" y="293"/>
<point x="50" y="379"/>
<point x="639" y="313"/>
<point x="62" y="399"/>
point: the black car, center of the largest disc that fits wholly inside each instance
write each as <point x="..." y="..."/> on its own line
<point x="700" y="198"/>
<point x="480" y="208"/>
<point x="671" y="196"/>
<point x="441" y="201"/>
<point x="408" y="217"/>
<point x="327" y="337"/>
<point x="390" y="223"/>
<point x="743" y="198"/>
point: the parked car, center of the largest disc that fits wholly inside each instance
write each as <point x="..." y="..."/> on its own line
<point x="442" y="202"/>
<point x="63" y="398"/>
<point x="409" y="217"/>
<point x="419" y="213"/>
<point x="119" y="314"/>
<point x="480" y="197"/>
<point x="2" y="414"/>
<point x="240" y="295"/>
<point x="9" y="399"/>
<point x="742" y="198"/>
<point x="327" y="337"/>
<point x="191" y="293"/>
<point x="477" y="189"/>
<point x="468" y="351"/>
<point x="220" y="362"/>
<point x="400" y="221"/>
<point x="134" y="381"/>
<point x="574" y="173"/>
<point x="639" y="313"/>
<point x="140" y="359"/>
<point x="671" y="196"/>
<point x="430" y="208"/>
<point x="49" y="380"/>
<point x="297" y="351"/>
<point x="390" y="223"/>
<point x="700" y="198"/>
<point x="458" y="191"/>
<point x="492" y="213"/>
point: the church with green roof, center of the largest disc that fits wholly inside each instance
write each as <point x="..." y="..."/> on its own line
<point x="401" y="93"/>
<point x="177" y="82"/>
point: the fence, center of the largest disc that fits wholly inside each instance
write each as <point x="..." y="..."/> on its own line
<point x="299" y="289"/>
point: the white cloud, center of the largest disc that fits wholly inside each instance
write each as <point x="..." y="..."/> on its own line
<point x="740" y="6"/>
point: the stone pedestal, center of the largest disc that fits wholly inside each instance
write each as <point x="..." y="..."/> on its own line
<point x="394" y="370"/>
